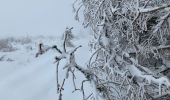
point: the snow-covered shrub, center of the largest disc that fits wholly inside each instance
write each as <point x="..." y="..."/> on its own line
<point x="132" y="38"/>
<point x="9" y="44"/>
<point x="23" y="40"/>
<point x="6" y="46"/>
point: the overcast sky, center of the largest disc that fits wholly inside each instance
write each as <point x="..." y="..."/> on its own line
<point x="35" y="17"/>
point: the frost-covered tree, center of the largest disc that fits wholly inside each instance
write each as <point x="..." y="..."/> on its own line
<point x="132" y="47"/>
<point x="131" y="59"/>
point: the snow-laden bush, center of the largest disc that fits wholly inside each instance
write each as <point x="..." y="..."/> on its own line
<point x="10" y="44"/>
<point x="6" y="46"/>
<point x="24" y="40"/>
<point x="132" y="38"/>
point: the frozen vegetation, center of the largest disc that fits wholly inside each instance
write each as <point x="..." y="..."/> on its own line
<point x="122" y="53"/>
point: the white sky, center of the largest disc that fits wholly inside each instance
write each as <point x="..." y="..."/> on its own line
<point x="35" y="17"/>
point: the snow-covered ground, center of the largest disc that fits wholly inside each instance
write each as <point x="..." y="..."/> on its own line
<point x="25" y="77"/>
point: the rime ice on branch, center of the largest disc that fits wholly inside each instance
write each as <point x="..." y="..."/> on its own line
<point x="132" y="43"/>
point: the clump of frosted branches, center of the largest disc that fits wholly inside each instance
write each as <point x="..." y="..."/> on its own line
<point x="128" y="33"/>
<point x="69" y="37"/>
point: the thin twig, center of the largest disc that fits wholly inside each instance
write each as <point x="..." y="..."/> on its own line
<point x="61" y="89"/>
<point x="58" y="85"/>
<point x="55" y="47"/>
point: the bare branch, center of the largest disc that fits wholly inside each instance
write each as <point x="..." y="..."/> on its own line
<point x="61" y="89"/>
<point x="58" y="85"/>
